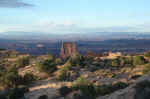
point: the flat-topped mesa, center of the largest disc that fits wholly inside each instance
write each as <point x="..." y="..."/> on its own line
<point x="68" y="49"/>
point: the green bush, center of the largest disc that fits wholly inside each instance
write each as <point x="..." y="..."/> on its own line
<point x="81" y="81"/>
<point x="3" y="97"/>
<point x="139" y="60"/>
<point x="43" y="97"/>
<point x="29" y="77"/>
<point x="93" y="91"/>
<point x="147" y="54"/>
<point x="106" y="62"/>
<point x="50" y="57"/>
<point x="64" y="73"/>
<point x="12" y="54"/>
<point x="146" y="68"/>
<point x="123" y="61"/>
<point x="63" y="91"/>
<point x="103" y="90"/>
<point x="115" y="62"/>
<point x="48" y="66"/>
<point x="23" y="61"/>
<point x="107" y="89"/>
<point x="119" y="85"/>
<point x="10" y="78"/>
<point x="84" y="86"/>
<point x="129" y="61"/>
<point x="89" y="59"/>
<point x="2" y="71"/>
<point x="96" y="63"/>
<point x="77" y="60"/>
<point x="81" y="95"/>
<point x="17" y="93"/>
<point x="14" y="93"/>
<point x="58" y="61"/>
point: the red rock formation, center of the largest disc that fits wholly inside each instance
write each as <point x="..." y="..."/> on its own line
<point x="68" y="49"/>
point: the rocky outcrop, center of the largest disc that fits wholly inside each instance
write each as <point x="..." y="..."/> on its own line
<point x="68" y="49"/>
<point x="139" y="90"/>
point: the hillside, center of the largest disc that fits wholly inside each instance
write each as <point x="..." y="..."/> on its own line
<point x="75" y="76"/>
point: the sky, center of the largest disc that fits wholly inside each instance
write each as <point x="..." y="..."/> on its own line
<point x="74" y="16"/>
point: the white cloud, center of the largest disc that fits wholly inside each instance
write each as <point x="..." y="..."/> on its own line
<point x="13" y="4"/>
<point x="71" y="27"/>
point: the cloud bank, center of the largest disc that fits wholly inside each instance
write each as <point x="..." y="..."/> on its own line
<point x="13" y="4"/>
<point x="71" y="27"/>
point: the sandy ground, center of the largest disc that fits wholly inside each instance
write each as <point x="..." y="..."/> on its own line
<point x="45" y="87"/>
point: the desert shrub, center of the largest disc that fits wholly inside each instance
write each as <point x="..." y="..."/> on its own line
<point x="63" y="91"/>
<point x="95" y="63"/>
<point x="81" y="81"/>
<point x="84" y="86"/>
<point x="48" y="66"/>
<point x="126" y="61"/>
<point x="102" y="63"/>
<point x="93" y="91"/>
<point x="23" y="61"/>
<point x="122" y="61"/>
<point x="103" y="90"/>
<point x="139" y="60"/>
<point x="43" y="97"/>
<point x="89" y="59"/>
<point x="58" y="61"/>
<point x="10" y="78"/>
<point x="106" y="62"/>
<point x="17" y="93"/>
<point x="147" y="54"/>
<point x="12" y="54"/>
<point x="107" y="89"/>
<point x="64" y="73"/>
<point x="146" y="68"/>
<point x="119" y="85"/>
<point x="2" y="49"/>
<point x="29" y="77"/>
<point x="116" y="62"/>
<point x="135" y="76"/>
<point x="80" y="95"/>
<point x="3" y="97"/>
<point x="77" y="60"/>
<point x="50" y="57"/>
<point x="14" y="93"/>
<point x="77" y="96"/>
<point x="2" y="71"/>
<point x="129" y="61"/>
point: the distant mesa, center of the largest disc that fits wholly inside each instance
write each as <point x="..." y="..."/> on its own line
<point x="68" y="49"/>
<point x="93" y="54"/>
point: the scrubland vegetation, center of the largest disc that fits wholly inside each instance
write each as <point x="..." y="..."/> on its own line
<point x="86" y="74"/>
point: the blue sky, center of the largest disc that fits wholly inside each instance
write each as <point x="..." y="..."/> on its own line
<point x="75" y="16"/>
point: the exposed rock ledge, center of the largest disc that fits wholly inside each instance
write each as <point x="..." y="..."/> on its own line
<point x="131" y="92"/>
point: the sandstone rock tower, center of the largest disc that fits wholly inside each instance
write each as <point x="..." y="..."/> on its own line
<point x="68" y="49"/>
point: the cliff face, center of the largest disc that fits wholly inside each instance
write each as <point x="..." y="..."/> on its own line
<point x="68" y="49"/>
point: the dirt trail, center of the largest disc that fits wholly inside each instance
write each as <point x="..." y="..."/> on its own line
<point x="45" y="87"/>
